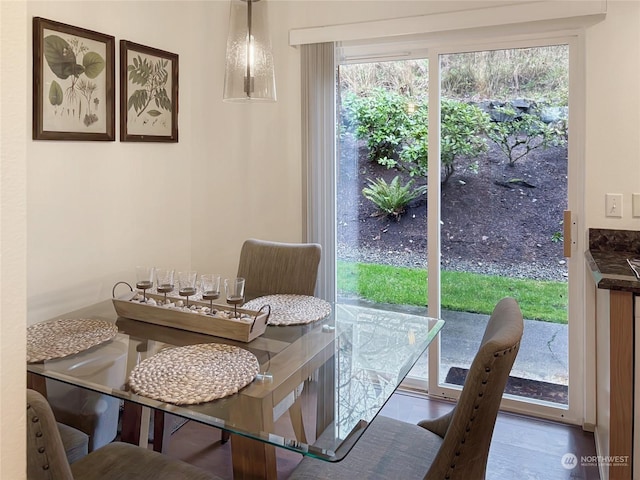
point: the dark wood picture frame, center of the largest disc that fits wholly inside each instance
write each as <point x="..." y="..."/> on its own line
<point x="73" y="83"/>
<point x="148" y="94"/>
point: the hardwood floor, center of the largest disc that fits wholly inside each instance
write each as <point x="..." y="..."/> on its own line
<point x="522" y="448"/>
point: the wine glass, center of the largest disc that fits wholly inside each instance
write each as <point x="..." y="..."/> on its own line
<point x="235" y="293"/>
<point x="187" y="284"/>
<point x="210" y="286"/>
<point x="144" y="280"/>
<point x="164" y="281"/>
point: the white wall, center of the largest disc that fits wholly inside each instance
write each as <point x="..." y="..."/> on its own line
<point x="95" y="210"/>
<point x="98" y="209"/>
<point x="13" y="132"/>
<point x="612" y="159"/>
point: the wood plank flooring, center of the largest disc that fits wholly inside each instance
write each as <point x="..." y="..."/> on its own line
<point x="522" y="448"/>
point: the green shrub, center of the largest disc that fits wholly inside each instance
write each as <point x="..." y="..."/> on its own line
<point x="523" y="133"/>
<point x="461" y="128"/>
<point x="380" y="118"/>
<point x="462" y="125"/>
<point x="392" y="198"/>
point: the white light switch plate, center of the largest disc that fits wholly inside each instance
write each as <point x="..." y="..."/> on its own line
<point x="613" y="205"/>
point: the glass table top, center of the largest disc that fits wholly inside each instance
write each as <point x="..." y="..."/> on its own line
<point x="348" y="365"/>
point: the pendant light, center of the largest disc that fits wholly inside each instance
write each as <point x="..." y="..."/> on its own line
<point x="249" y="73"/>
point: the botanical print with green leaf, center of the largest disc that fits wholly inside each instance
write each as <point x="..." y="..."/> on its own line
<point x="149" y="85"/>
<point x="74" y="84"/>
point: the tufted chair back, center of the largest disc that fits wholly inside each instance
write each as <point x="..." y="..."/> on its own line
<point x="46" y="457"/>
<point x="468" y="428"/>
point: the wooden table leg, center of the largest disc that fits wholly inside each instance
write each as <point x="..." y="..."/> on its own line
<point x="37" y="383"/>
<point x="325" y="413"/>
<point x="253" y="459"/>
<point x="161" y="432"/>
<point x="131" y="419"/>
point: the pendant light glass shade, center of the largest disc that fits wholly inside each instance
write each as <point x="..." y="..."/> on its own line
<point x="249" y="74"/>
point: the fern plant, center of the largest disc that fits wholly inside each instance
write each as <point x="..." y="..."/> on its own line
<point x="392" y="198"/>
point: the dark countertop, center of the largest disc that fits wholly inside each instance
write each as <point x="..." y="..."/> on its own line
<point x="607" y="258"/>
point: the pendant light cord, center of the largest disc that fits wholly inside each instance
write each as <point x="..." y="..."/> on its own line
<point x="247" y="81"/>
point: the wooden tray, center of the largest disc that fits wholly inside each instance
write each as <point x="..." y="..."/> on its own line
<point x="193" y="322"/>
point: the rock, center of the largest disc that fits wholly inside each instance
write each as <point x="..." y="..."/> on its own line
<point x="553" y="114"/>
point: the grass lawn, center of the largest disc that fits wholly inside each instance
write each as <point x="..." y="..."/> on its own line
<point x="461" y="291"/>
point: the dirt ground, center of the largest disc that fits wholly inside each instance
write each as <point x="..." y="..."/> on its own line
<point x="486" y="218"/>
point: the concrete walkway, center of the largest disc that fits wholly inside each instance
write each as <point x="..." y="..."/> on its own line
<point x="543" y="354"/>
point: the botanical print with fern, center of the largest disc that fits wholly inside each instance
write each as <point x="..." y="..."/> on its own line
<point x="74" y="83"/>
<point x="149" y="87"/>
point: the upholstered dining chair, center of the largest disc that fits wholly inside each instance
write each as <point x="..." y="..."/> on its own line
<point x="271" y="268"/>
<point x="454" y="446"/>
<point x="46" y="458"/>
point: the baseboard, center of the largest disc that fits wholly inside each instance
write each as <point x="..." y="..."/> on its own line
<point x="603" y="469"/>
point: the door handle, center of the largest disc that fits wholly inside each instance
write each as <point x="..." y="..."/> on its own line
<point x="566" y="234"/>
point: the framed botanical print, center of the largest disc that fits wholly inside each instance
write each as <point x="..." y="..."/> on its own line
<point x="148" y="94"/>
<point x="73" y="83"/>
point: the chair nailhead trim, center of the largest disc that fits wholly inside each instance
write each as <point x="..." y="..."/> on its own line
<point x="484" y="382"/>
<point x="476" y="407"/>
<point x="39" y="434"/>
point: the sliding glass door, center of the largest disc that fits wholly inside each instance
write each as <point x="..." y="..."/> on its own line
<point x="453" y="174"/>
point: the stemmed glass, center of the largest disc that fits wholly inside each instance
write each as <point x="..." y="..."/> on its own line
<point x="235" y="293"/>
<point x="144" y="280"/>
<point x="164" y="281"/>
<point x="187" y="284"/>
<point x="210" y="286"/>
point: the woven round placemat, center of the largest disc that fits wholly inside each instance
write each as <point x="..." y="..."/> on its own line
<point x="66" y="336"/>
<point x="287" y="309"/>
<point x="194" y="373"/>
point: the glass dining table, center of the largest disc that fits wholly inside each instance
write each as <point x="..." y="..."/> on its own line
<point x="351" y="362"/>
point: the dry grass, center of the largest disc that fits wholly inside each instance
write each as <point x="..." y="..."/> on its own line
<point x="538" y="73"/>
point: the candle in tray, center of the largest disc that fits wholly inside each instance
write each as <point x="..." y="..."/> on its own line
<point x="144" y="277"/>
<point x="187" y="284"/>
